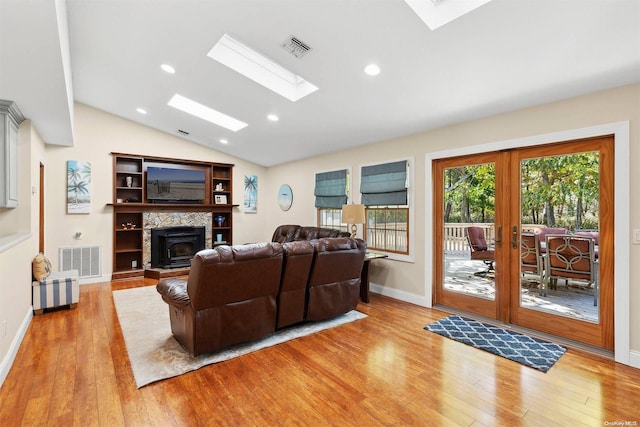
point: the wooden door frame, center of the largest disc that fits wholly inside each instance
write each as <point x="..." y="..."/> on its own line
<point x="41" y="210"/>
<point x="622" y="233"/>
<point x="472" y="304"/>
<point x="598" y="334"/>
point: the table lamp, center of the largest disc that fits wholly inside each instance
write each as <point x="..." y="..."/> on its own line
<point x="353" y="214"/>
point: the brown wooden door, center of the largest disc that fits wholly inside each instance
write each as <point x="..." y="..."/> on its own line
<point x="508" y="295"/>
<point x="464" y="283"/>
<point x="588" y="316"/>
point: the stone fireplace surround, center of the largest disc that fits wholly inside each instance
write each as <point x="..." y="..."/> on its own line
<point x="171" y="219"/>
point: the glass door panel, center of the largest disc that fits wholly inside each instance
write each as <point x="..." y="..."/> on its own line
<point x="559" y="199"/>
<point x="563" y="215"/>
<point x="467" y="262"/>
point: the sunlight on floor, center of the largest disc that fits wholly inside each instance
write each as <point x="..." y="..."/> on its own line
<point x="570" y="301"/>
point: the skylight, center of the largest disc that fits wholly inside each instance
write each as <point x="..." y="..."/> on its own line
<point x="205" y="113"/>
<point x="260" y="69"/>
<point x="436" y="13"/>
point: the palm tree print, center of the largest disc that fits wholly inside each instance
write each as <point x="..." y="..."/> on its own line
<point x="78" y="192"/>
<point x="250" y="192"/>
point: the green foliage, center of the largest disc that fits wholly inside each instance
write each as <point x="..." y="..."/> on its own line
<point x="557" y="191"/>
<point x="470" y="193"/>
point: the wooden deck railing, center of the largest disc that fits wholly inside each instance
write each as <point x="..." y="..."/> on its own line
<point x="455" y="237"/>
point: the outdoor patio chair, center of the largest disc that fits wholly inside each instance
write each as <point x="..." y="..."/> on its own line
<point x="530" y="257"/>
<point x="571" y="257"/>
<point x="480" y="250"/>
<point x="544" y="231"/>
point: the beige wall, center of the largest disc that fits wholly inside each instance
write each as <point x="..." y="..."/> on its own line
<point x="19" y="225"/>
<point x="407" y="280"/>
<point x="97" y="134"/>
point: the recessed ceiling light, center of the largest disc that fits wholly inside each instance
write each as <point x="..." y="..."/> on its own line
<point x="141" y="110"/>
<point x="260" y="69"/>
<point x="206" y="113"/>
<point x="168" y="68"/>
<point x="223" y="141"/>
<point x="273" y="117"/>
<point x="436" y="13"/>
<point x="372" y="70"/>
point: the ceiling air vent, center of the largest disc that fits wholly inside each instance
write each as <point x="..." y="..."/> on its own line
<point x="296" y="47"/>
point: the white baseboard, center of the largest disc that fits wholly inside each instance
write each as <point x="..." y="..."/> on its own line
<point x="7" y="362"/>
<point x="99" y="279"/>
<point x="634" y="358"/>
<point x="420" y="300"/>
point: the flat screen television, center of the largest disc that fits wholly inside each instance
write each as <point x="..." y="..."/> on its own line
<point x="175" y="185"/>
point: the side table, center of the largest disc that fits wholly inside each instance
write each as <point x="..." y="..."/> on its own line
<point x="364" y="275"/>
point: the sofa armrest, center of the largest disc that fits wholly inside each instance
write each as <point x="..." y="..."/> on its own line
<point x="174" y="292"/>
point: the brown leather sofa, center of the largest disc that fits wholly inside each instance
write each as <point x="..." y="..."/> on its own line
<point x="292" y="233"/>
<point x="229" y="298"/>
<point x="241" y="293"/>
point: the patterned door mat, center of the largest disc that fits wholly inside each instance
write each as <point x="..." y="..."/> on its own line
<point x="511" y="345"/>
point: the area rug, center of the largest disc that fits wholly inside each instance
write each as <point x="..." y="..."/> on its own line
<point x="154" y="353"/>
<point x="529" y="351"/>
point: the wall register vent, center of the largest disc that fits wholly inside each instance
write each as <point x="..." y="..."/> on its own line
<point x="86" y="259"/>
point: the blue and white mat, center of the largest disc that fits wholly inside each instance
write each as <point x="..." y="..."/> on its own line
<point x="511" y="345"/>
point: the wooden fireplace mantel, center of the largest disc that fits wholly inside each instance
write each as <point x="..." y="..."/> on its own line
<point x="130" y="203"/>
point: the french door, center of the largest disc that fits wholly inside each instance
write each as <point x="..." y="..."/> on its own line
<point x="556" y="189"/>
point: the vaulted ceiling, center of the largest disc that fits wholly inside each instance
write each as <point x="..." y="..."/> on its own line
<point x="503" y="56"/>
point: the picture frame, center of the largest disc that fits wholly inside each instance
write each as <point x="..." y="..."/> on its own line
<point x="220" y="199"/>
<point x="78" y="187"/>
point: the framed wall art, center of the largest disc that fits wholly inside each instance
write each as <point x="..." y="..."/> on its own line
<point x="78" y="187"/>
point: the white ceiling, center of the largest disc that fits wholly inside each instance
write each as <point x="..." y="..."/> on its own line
<point x="506" y="55"/>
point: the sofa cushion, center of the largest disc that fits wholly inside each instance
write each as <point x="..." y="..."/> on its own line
<point x="285" y="233"/>
<point x="297" y="260"/>
<point x="334" y="281"/>
<point x="292" y="233"/>
<point x="41" y="267"/>
<point x="311" y="233"/>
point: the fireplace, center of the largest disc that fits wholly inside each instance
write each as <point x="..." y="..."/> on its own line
<point x="173" y="247"/>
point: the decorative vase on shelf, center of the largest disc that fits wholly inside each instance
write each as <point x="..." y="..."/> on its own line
<point x="219" y="220"/>
<point x="129" y="181"/>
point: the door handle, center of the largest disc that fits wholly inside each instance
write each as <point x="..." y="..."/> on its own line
<point x="498" y="239"/>
<point x="514" y="237"/>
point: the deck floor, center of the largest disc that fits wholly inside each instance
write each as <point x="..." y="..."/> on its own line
<point x="573" y="301"/>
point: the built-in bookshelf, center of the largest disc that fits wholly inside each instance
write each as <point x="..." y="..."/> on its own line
<point x="130" y="202"/>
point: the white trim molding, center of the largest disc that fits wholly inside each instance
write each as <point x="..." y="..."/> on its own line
<point x="7" y="362"/>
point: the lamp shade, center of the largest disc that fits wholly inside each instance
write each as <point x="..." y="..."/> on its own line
<point x="353" y="214"/>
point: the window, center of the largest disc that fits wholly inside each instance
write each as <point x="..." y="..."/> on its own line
<point x="387" y="229"/>
<point x="331" y="191"/>
<point x="331" y="218"/>
<point x="384" y="190"/>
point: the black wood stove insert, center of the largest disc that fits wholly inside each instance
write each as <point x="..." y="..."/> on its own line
<point x="173" y="247"/>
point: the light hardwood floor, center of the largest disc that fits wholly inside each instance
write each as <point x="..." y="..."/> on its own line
<point x="73" y="369"/>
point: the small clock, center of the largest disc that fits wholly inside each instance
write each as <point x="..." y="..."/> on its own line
<point x="285" y="197"/>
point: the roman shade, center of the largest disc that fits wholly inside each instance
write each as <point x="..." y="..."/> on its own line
<point x="384" y="184"/>
<point x="331" y="189"/>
